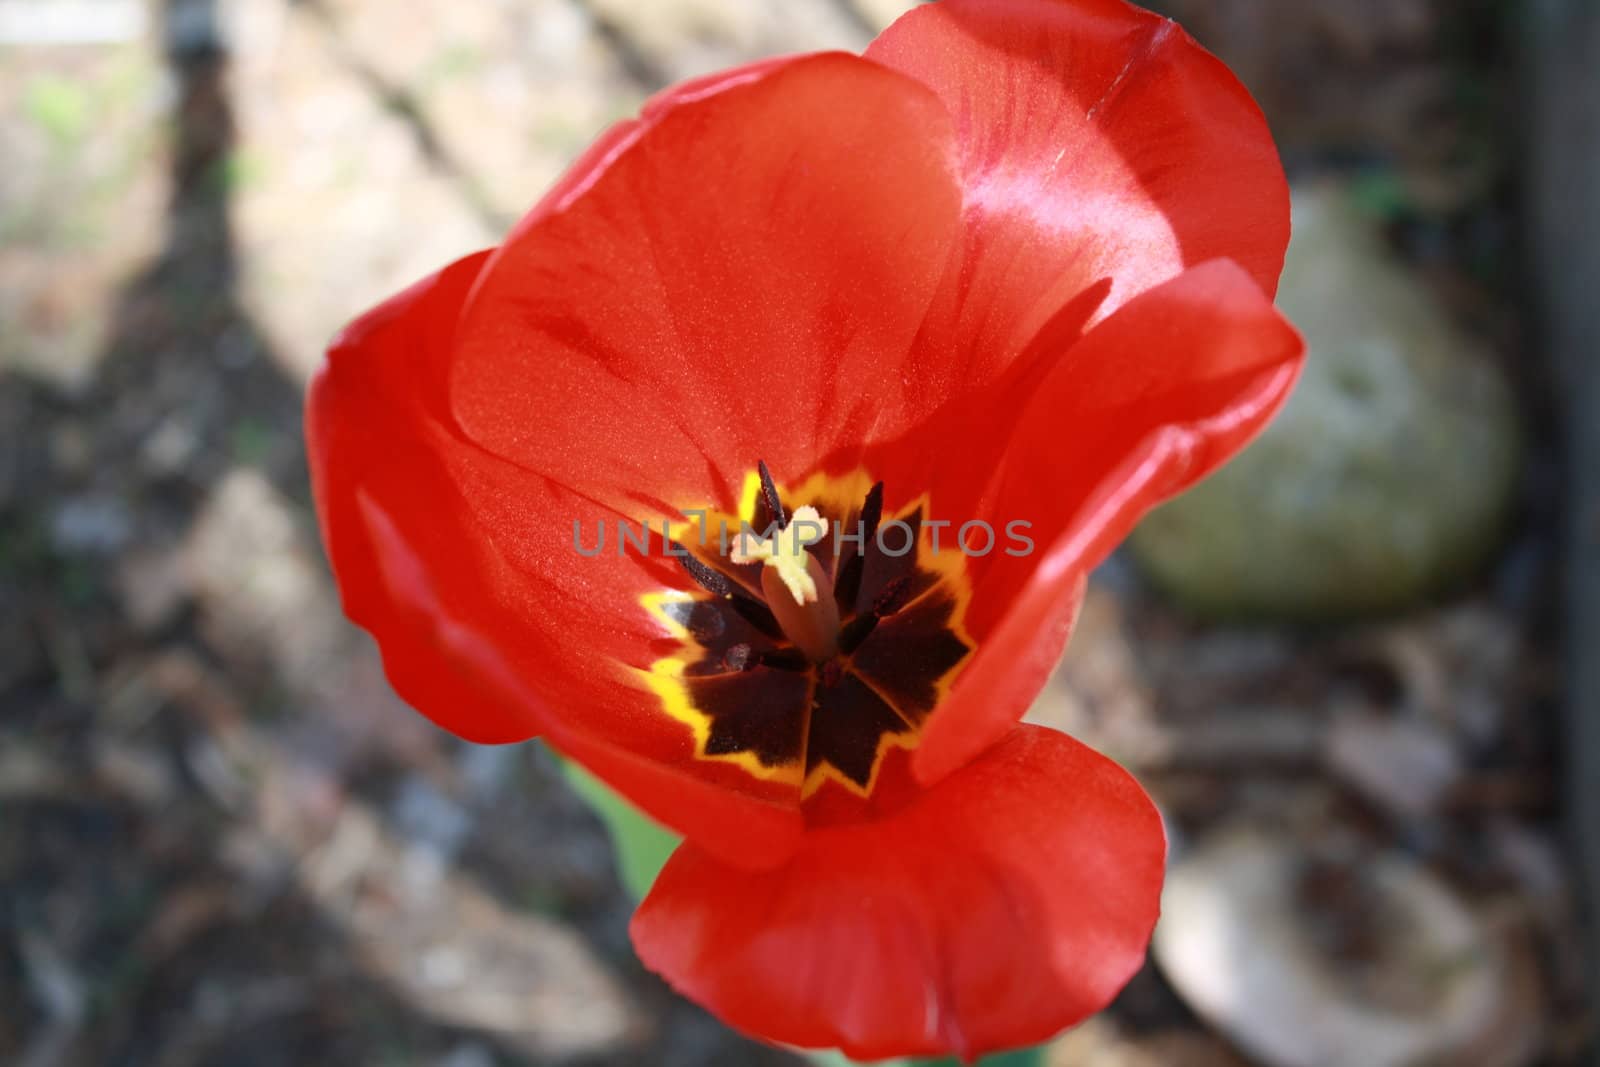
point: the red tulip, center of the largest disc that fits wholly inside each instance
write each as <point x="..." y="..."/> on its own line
<point x="1013" y="266"/>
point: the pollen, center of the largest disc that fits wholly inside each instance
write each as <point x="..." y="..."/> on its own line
<point x="785" y="551"/>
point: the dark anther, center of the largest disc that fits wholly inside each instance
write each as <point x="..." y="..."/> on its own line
<point x="890" y="600"/>
<point x="741" y="657"/>
<point x="784" y="659"/>
<point x="756" y="614"/>
<point x="705" y="624"/>
<point x="769" y="493"/>
<point x="709" y="578"/>
<point x="871" y="513"/>
<point x="749" y="608"/>
<point x="852" y="633"/>
<point x="893" y="597"/>
<point x="848" y="584"/>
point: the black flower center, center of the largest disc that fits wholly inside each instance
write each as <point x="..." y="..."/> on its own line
<point x="811" y="689"/>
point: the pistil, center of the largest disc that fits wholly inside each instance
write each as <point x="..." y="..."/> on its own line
<point x="796" y="587"/>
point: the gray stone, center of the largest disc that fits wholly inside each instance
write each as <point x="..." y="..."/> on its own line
<point x="1390" y="471"/>
<point x="1252" y="939"/>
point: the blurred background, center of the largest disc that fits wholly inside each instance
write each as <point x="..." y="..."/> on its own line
<point x="1351" y="668"/>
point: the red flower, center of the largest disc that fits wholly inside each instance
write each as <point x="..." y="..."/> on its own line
<point x="1014" y="267"/>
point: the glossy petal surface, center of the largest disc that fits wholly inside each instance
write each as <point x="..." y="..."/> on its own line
<point x="1007" y="903"/>
<point x="743" y="282"/>
<point x="468" y="638"/>
<point x="1098" y="142"/>
<point x="1149" y="401"/>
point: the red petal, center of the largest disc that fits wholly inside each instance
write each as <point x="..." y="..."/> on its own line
<point x="463" y="565"/>
<point x="374" y="465"/>
<point x="1098" y="141"/>
<point x="743" y="282"/>
<point x="472" y="638"/>
<point x="1145" y="404"/>
<point x="611" y="144"/>
<point x="1007" y="903"/>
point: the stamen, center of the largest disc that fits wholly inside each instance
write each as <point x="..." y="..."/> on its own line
<point x="738" y="657"/>
<point x="791" y="576"/>
<point x="756" y="614"/>
<point x="784" y="659"/>
<point x="786" y="552"/>
<point x="872" y="512"/>
<point x="890" y="600"/>
<point x="741" y="657"/>
<point x="895" y="594"/>
<point x="848" y="583"/>
<point x="715" y="582"/>
<point x="769" y="493"/>
<point x="790" y="658"/>
<point x="708" y="578"/>
<point x="856" y="631"/>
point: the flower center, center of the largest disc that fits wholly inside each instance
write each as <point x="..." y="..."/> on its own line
<point x="812" y="644"/>
<point x="790" y="579"/>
